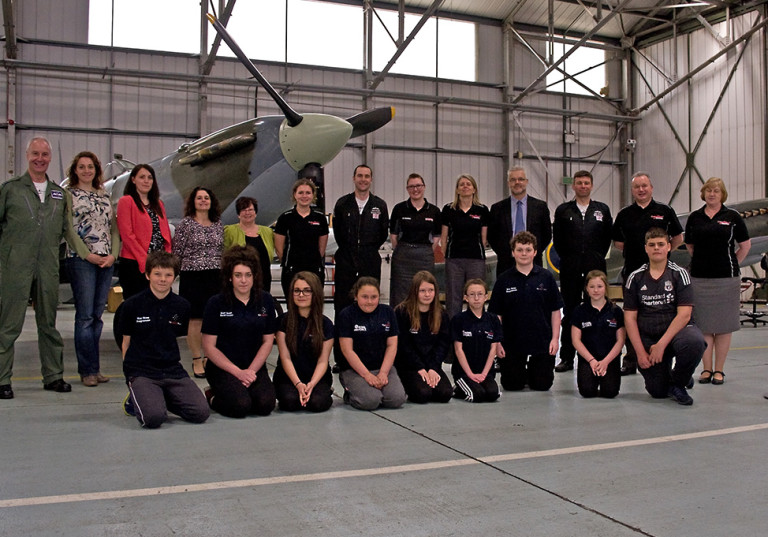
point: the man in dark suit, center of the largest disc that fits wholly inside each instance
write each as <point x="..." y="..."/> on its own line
<point x="516" y="213"/>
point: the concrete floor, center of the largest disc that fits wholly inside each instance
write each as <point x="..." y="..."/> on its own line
<point x="549" y="464"/>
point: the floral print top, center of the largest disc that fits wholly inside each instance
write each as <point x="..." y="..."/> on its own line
<point x="92" y="220"/>
<point x="199" y="247"/>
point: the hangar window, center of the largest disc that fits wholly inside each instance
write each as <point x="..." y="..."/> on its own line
<point x="322" y="33"/>
<point x="586" y="64"/>
<point x="443" y="47"/>
<point x="143" y="24"/>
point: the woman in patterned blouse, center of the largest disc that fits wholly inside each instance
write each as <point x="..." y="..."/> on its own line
<point x="198" y="242"/>
<point x="90" y="278"/>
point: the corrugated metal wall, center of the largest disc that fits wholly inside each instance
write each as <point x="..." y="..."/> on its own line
<point x="733" y="146"/>
<point x="146" y="115"/>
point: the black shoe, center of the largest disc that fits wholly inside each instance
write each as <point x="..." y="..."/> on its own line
<point x="6" y="392"/>
<point x="58" y="386"/>
<point x="689" y="384"/>
<point x="562" y="367"/>
<point x="680" y="395"/>
<point x="628" y="370"/>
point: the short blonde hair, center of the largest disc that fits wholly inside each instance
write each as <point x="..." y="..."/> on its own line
<point x="715" y="182"/>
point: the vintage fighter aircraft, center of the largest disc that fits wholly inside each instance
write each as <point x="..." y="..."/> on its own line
<point x="260" y="157"/>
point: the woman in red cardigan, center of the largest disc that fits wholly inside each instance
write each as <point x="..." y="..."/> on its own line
<point x="143" y="228"/>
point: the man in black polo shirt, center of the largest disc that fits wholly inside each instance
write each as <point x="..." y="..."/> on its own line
<point x="658" y="302"/>
<point x="150" y="323"/>
<point x="629" y="229"/>
<point x="582" y="237"/>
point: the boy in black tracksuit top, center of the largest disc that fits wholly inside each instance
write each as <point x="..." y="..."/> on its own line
<point x="526" y="299"/>
<point x="150" y="323"/>
<point x="476" y="335"/>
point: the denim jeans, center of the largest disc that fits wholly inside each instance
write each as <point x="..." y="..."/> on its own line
<point x="90" y="286"/>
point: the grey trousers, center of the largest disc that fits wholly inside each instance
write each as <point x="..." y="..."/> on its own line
<point x="365" y="397"/>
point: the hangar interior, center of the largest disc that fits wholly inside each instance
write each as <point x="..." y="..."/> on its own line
<point x="685" y="80"/>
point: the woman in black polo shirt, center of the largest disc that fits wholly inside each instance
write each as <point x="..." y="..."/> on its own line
<point x="305" y="339"/>
<point x="415" y="230"/>
<point x="464" y="230"/>
<point x="711" y="235"/>
<point x="238" y="333"/>
<point x="301" y="235"/>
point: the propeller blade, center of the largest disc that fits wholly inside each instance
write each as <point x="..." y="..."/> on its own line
<point x="370" y="120"/>
<point x="293" y="117"/>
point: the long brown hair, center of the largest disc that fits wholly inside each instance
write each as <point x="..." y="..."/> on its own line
<point x="314" y="330"/>
<point x="98" y="177"/>
<point x="154" y="192"/>
<point x="411" y="303"/>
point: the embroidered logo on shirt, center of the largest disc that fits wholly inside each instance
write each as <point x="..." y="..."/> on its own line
<point x="657" y="216"/>
<point x="586" y="324"/>
<point x="262" y="312"/>
<point x="143" y="320"/>
<point x="599" y="216"/>
<point x="226" y="314"/>
<point x="612" y="323"/>
<point x="475" y="216"/>
<point x="511" y="289"/>
<point x="723" y="223"/>
<point x="429" y="219"/>
<point x="386" y="327"/>
<point x="375" y="213"/>
<point x="359" y="328"/>
<point x="489" y="334"/>
<point x="466" y="333"/>
<point x="55" y="194"/>
<point x="668" y="286"/>
<point x="644" y="288"/>
<point x="174" y="320"/>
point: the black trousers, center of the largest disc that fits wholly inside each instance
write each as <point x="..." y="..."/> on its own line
<point x="590" y="385"/>
<point x="320" y="399"/>
<point x="572" y="291"/>
<point x="232" y="399"/>
<point x="420" y="392"/>
<point x="537" y="371"/>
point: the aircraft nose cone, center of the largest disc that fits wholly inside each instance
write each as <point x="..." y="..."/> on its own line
<point x="318" y="138"/>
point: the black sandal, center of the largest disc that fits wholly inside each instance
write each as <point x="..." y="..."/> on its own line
<point x="703" y="379"/>
<point x="718" y="381"/>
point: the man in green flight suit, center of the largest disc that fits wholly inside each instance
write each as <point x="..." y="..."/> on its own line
<point x="35" y="214"/>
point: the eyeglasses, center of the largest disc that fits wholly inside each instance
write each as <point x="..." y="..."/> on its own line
<point x="414" y="187"/>
<point x="302" y="292"/>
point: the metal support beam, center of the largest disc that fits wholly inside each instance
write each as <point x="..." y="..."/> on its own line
<point x="698" y="69"/>
<point x="9" y="18"/>
<point x="561" y="71"/>
<point x="226" y="13"/>
<point x="401" y="48"/>
<point x="565" y="56"/>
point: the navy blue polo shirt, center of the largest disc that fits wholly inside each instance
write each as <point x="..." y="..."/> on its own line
<point x="239" y="328"/>
<point x="421" y="349"/>
<point x="714" y="242"/>
<point x="302" y="234"/>
<point x="464" y="231"/>
<point x="598" y="327"/>
<point x="305" y="359"/>
<point x="153" y="325"/>
<point x="415" y="226"/>
<point x="633" y="222"/>
<point x="476" y="336"/>
<point x="369" y="333"/>
<point x="526" y="303"/>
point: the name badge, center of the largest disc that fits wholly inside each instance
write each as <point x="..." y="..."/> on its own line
<point x="55" y="194"/>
